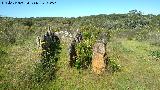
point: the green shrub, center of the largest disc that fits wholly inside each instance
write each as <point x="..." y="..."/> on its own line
<point x="84" y="49"/>
<point x="7" y="33"/>
<point x="46" y="69"/>
<point x="84" y="54"/>
<point x="112" y="65"/>
<point x="28" y="23"/>
<point x="155" y="53"/>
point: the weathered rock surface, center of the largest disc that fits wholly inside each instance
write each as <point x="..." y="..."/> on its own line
<point x="65" y="36"/>
<point x="72" y="48"/>
<point x="46" y="40"/>
<point x="98" y="58"/>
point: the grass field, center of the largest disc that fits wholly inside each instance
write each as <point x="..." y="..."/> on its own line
<point x="133" y="51"/>
<point x="140" y="68"/>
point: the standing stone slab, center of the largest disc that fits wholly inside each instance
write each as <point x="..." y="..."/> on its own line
<point x="72" y="49"/>
<point x="72" y="53"/>
<point x="98" y="58"/>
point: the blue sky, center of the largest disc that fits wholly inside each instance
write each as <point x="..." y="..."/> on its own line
<point x="75" y="8"/>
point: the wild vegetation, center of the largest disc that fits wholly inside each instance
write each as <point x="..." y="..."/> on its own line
<point x="133" y="50"/>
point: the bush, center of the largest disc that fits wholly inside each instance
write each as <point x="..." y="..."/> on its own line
<point x="7" y="33"/>
<point x="155" y="53"/>
<point x="28" y="23"/>
<point x="84" y="50"/>
<point x="46" y="69"/>
<point x="84" y="54"/>
<point x="112" y="65"/>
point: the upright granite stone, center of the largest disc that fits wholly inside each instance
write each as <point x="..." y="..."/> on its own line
<point x="47" y="40"/>
<point x="99" y="57"/>
<point x="72" y="53"/>
<point x="72" y="49"/>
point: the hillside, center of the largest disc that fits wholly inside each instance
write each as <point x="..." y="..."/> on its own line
<point x="133" y="51"/>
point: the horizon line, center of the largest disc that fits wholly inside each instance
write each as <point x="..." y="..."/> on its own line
<point x="76" y="16"/>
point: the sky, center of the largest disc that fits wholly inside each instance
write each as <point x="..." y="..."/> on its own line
<point x="76" y="8"/>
